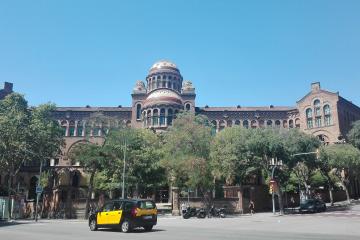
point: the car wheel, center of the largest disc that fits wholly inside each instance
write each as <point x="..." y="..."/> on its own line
<point x="92" y="225"/>
<point x="148" y="228"/>
<point x="125" y="226"/>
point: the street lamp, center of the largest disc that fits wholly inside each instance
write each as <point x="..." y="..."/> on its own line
<point x="274" y="163"/>
<point x="123" y="175"/>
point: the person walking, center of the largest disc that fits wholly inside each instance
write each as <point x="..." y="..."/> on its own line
<point x="252" y="207"/>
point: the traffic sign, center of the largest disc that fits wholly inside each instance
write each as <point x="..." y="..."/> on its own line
<point x="39" y="189"/>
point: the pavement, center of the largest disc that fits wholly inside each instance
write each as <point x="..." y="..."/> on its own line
<point x="333" y="225"/>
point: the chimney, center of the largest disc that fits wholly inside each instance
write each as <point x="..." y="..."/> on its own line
<point x="8" y="87"/>
<point x="315" y="86"/>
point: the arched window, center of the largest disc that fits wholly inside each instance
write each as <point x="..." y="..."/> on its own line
<point x="253" y="124"/>
<point x="64" y="127"/>
<point x="162" y="117"/>
<point x="170" y="117"/>
<point x="277" y="123"/>
<point x="309" y="120"/>
<point x="149" y="117"/>
<point x="308" y="113"/>
<point x="327" y="115"/>
<point x="237" y="122"/>
<point x="269" y="123"/>
<point x="297" y="123"/>
<point x="144" y="119"/>
<point x="246" y="124"/>
<point x="163" y="84"/>
<point x="285" y="124"/>
<point x="128" y="124"/>
<point x="317" y="108"/>
<point x="291" y="123"/>
<point x="72" y="128"/>
<point x="138" y="111"/>
<point x="187" y="107"/>
<point x="80" y="128"/>
<point x="155" y="117"/>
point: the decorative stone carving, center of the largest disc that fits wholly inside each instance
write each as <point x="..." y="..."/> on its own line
<point x="187" y="85"/>
<point x="139" y="86"/>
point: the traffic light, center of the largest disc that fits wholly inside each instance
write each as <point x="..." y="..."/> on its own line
<point x="271" y="189"/>
<point x="272" y="183"/>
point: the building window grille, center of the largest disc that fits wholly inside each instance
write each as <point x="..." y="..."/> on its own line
<point x="309" y="113"/>
<point x="318" y="122"/>
<point x="309" y="123"/>
<point x="162" y="117"/>
<point x="155" y="117"/>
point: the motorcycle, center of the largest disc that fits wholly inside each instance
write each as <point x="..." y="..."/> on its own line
<point x="194" y="212"/>
<point x="216" y="212"/>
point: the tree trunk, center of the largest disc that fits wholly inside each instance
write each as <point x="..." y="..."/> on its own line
<point x="88" y="197"/>
<point x="346" y="191"/>
<point x="9" y="194"/>
<point x="331" y="195"/>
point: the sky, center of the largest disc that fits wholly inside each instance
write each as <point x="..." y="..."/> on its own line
<point x="236" y="52"/>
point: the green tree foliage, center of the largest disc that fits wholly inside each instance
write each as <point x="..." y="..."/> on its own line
<point x="186" y="152"/>
<point x="230" y="157"/>
<point x="26" y="135"/>
<point x="354" y="134"/>
<point x="143" y="152"/>
<point x="344" y="160"/>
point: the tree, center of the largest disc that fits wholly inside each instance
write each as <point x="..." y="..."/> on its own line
<point x="186" y="153"/>
<point x="143" y="152"/>
<point x="304" y="164"/>
<point x="230" y="157"/>
<point x="92" y="158"/>
<point x="26" y="134"/>
<point x="344" y="160"/>
<point x="354" y="134"/>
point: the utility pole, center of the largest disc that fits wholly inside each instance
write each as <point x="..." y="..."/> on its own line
<point x="123" y="175"/>
<point x="38" y="193"/>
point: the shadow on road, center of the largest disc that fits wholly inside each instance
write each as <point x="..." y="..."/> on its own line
<point x="136" y="230"/>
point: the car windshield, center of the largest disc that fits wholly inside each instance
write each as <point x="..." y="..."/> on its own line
<point x="146" y="205"/>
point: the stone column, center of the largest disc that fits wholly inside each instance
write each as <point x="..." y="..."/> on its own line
<point x="175" y="201"/>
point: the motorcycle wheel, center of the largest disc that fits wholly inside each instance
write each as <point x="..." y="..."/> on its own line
<point x="186" y="216"/>
<point x="222" y="215"/>
<point x="201" y="215"/>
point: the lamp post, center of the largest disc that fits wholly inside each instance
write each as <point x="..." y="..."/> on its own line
<point x="123" y="175"/>
<point x="274" y="163"/>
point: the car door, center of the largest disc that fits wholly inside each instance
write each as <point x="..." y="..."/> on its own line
<point x="116" y="213"/>
<point x="104" y="217"/>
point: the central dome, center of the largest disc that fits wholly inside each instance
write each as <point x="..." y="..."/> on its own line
<point x="163" y="96"/>
<point x="162" y="66"/>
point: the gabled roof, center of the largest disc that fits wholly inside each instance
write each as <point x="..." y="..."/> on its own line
<point x="320" y="91"/>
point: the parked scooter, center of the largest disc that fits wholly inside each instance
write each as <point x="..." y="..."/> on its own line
<point x="216" y="212"/>
<point x="194" y="212"/>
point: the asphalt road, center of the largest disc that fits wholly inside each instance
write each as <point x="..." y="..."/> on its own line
<point x="331" y="225"/>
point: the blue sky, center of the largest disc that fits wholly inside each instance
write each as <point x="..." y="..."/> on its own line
<point x="249" y="53"/>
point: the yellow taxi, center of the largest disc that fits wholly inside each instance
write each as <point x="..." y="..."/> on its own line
<point x="126" y="214"/>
